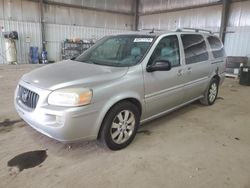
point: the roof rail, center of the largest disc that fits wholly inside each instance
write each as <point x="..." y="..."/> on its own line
<point x="194" y="29"/>
<point x="153" y="30"/>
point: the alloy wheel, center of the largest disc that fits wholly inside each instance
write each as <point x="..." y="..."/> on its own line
<point x="122" y="126"/>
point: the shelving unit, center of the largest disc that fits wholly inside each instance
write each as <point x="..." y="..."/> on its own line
<point x="71" y="49"/>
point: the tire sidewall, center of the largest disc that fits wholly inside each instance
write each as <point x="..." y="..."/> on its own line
<point x="208" y="93"/>
<point x="107" y="123"/>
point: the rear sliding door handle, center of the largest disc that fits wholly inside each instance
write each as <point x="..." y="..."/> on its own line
<point x="189" y="69"/>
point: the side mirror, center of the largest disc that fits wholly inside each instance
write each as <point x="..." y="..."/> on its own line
<point x="161" y="65"/>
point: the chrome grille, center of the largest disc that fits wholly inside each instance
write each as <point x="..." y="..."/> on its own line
<point x="27" y="97"/>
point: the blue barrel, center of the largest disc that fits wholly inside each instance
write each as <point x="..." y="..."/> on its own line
<point x="34" y="55"/>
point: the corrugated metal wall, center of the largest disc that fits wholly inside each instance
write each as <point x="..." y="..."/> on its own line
<point x="64" y="22"/>
<point x="117" y="5"/>
<point x="75" y="16"/>
<point x="208" y="17"/>
<point x="29" y="35"/>
<point x="56" y="33"/>
<point x="28" y="11"/>
<point x="237" y="42"/>
<point x="157" y="5"/>
<point x="19" y="10"/>
<point x="60" y="23"/>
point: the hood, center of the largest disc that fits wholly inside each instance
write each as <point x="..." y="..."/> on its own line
<point x="69" y="73"/>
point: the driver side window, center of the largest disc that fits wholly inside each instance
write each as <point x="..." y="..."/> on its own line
<point x="168" y="50"/>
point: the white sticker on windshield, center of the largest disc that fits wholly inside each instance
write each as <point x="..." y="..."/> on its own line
<point x="143" y="39"/>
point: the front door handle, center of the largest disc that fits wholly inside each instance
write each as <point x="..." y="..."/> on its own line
<point x="189" y="69"/>
<point x="179" y="73"/>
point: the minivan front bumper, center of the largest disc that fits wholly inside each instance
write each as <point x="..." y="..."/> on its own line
<point x="61" y="123"/>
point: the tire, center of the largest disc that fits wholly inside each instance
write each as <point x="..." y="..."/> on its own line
<point x="211" y="93"/>
<point x="120" y="126"/>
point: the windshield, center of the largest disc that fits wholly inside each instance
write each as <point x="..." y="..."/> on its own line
<point x="121" y="50"/>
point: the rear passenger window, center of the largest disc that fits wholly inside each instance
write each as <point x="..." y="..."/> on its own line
<point x="194" y="48"/>
<point x="216" y="46"/>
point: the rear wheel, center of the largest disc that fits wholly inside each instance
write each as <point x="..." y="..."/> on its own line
<point x="211" y="93"/>
<point x="120" y="125"/>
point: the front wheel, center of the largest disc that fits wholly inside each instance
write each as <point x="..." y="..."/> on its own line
<point x="120" y="125"/>
<point x="211" y="93"/>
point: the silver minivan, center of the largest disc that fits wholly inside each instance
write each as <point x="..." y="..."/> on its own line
<point x="119" y="83"/>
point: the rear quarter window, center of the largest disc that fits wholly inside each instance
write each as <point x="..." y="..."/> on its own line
<point x="195" y="48"/>
<point x="216" y="47"/>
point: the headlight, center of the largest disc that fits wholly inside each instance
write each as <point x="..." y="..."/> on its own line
<point x="70" y="97"/>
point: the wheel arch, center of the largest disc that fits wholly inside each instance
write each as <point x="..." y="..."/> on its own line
<point x="217" y="77"/>
<point x="133" y="99"/>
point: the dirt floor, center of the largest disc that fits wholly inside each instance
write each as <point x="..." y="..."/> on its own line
<point x="196" y="146"/>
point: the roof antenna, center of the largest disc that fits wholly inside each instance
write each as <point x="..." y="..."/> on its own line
<point x="153" y="30"/>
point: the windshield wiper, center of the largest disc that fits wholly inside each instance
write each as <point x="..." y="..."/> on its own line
<point x="107" y="64"/>
<point x="85" y="61"/>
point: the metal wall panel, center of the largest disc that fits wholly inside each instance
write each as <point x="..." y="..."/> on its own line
<point x="207" y="17"/>
<point x="1" y="9"/>
<point x="13" y="9"/>
<point x="121" y="5"/>
<point x="6" y="9"/>
<point x="60" y="23"/>
<point x="116" y="5"/>
<point x="156" y="5"/>
<point x="19" y="10"/>
<point x="30" y="11"/>
<point x="88" y="18"/>
<point x="75" y="16"/>
<point x="29" y="35"/>
<point x="237" y="41"/>
<point x="239" y="14"/>
<point x="88" y="3"/>
<point x="49" y="13"/>
<point x="103" y="5"/>
<point x="2" y="47"/>
<point x="62" y="15"/>
<point x="23" y="10"/>
<point x="64" y="22"/>
<point x="55" y="34"/>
